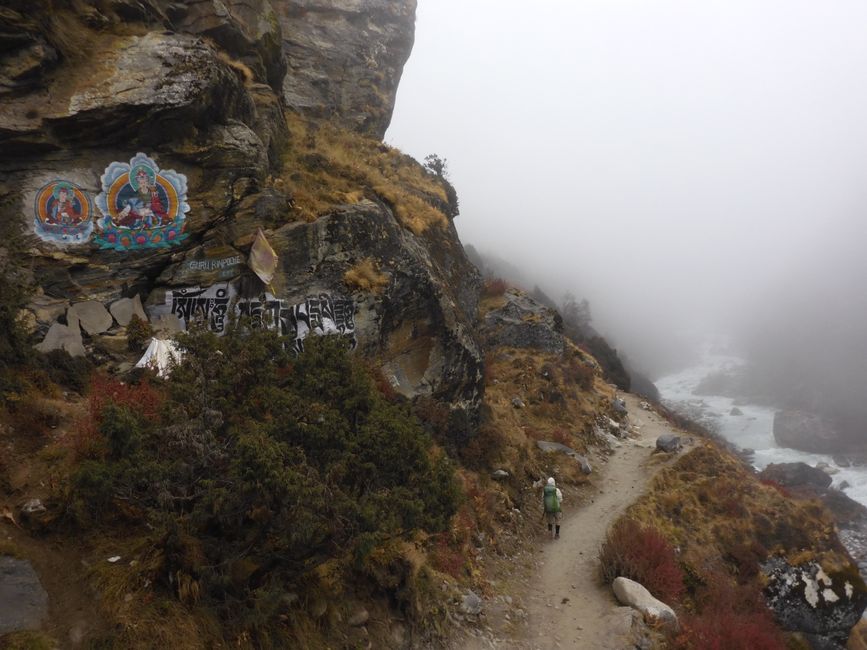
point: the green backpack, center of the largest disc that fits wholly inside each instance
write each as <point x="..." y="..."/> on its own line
<point x="552" y="504"/>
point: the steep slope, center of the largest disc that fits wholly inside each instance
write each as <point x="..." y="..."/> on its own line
<point x="162" y="126"/>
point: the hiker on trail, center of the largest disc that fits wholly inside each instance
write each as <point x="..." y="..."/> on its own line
<point x="551" y="500"/>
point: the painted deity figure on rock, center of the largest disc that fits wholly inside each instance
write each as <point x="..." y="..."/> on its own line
<point x="147" y="207"/>
<point x="63" y="213"/>
<point x="142" y="206"/>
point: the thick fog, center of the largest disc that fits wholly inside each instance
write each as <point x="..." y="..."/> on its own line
<point x="692" y="168"/>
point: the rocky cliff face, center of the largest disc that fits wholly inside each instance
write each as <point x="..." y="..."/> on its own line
<point x="346" y="57"/>
<point x="144" y="144"/>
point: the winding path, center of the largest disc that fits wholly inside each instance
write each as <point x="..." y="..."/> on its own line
<point x="566" y="607"/>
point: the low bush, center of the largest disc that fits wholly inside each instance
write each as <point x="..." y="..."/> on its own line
<point x="255" y="469"/>
<point x="112" y="407"/>
<point x="642" y="554"/>
<point x="484" y="448"/>
<point x="138" y="333"/>
<point x="366" y="276"/>
<point x="729" y="617"/>
<point x="68" y="371"/>
<point x="578" y="373"/>
<point x="728" y="630"/>
<point x="494" y="287"/>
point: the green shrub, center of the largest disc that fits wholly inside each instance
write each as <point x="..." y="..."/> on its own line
<point x="68" y="371"/>
<point x="138" y="333"/>
<point x="264" y="467"/>
<point x="93" y="487"/>
<point x="121" y="429"/>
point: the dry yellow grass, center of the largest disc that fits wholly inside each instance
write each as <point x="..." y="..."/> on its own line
<point x="145" y="619"/>
<point x="326" y="166"/>
<point x="712" y="507"/>
<point x="555" y="409"/>
<point x="366" y="276"/>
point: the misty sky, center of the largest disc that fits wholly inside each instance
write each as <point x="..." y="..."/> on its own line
<point x="675" y="162"/>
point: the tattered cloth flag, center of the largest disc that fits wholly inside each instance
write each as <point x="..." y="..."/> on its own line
<point x="263" y="259"/>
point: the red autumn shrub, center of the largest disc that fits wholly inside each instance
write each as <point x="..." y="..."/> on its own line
<point x="727" y="630"/>
<point x="494" y="287"/>
<point x="730" y="617"/>
<point x="746" y="558"/>
<point x="562" y="436"/>
<point x="447" y="556"/>
<point x="576" y="372"/>
<point x="642" y="554"/>
<point x="143" y="399"/>
<point x="777" y="486"/>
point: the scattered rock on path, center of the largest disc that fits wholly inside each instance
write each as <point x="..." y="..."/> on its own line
<point x="472" y="604"/>
<point x="669" y="443"/>
<point x="625" y="628"/>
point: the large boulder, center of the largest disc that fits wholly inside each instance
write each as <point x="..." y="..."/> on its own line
<point x="795" y="474"/>
<point x="805" y="431"/>
<point x="633" y="594"/>
<point x="822" y="606"/>
<point x="418" y="324"/>
<point x="196" y="90"/>
<point x="124" y="309"/>
<point x="669" y="443"/>
<point x="91" y="315"/>
<point x="522" y="322"/>
<point x="63" y="337"/>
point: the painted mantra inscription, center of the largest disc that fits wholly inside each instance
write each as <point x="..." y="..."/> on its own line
<point x="320" y="315"/>
<point x="210" y="305"/>
<point x="213" y="265"/>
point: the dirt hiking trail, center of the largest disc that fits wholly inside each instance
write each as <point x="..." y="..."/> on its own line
<point x="566" y="606"/>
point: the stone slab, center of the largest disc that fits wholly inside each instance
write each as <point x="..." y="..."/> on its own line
<point x="61" y="337"/>
<point x="23" y="601"/>
<point x="91" y="315"/>
<point x="124" y="309"/>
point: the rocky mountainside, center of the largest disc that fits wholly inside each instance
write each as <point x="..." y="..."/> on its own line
<point x="144" y="144"/>
<point x="172" y="166"/>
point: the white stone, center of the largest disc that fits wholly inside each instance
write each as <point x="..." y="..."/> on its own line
<point x="811" y="589"/>
<point x="629" y="592"/>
